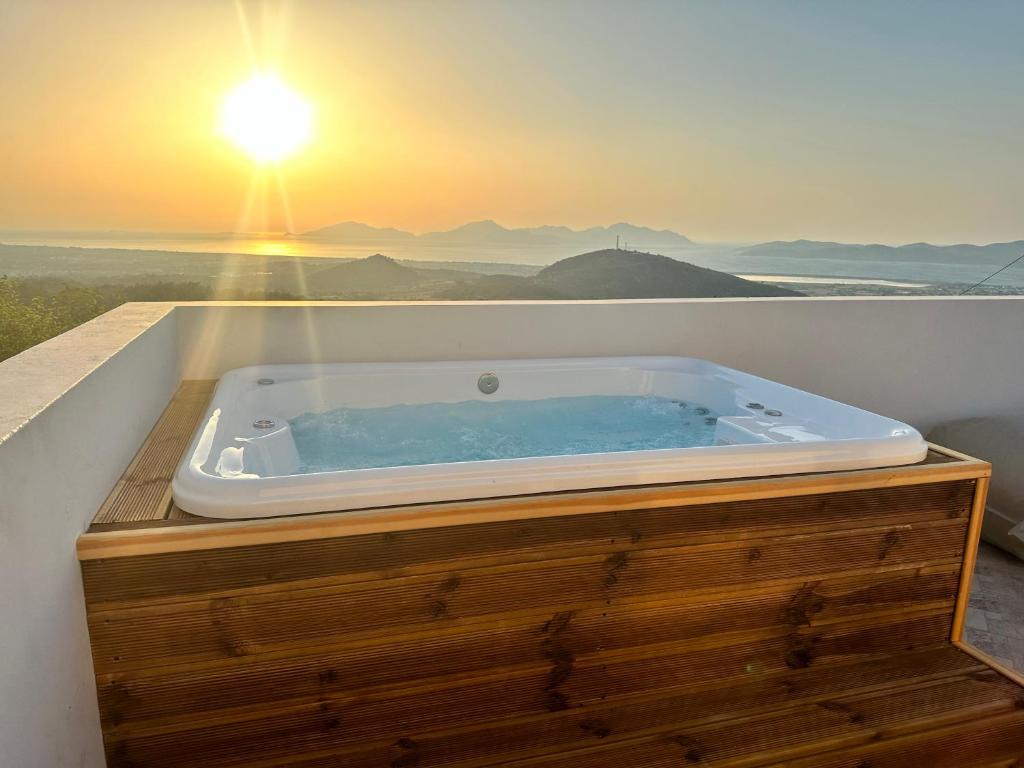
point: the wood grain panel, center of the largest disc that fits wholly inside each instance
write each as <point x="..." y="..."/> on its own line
<point x="847" y="721"/>
<point x="627" y="718"/>
<point x="394" y="713"/>
<point x="224" y="627"/>
<point x="520" y="640"/>
<point x="973" y="741"/>
<point x="180" y="574"/>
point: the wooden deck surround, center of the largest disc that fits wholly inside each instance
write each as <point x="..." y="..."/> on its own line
<point x="804" y="621"/>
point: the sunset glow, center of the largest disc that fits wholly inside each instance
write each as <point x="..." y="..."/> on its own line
<point x="266" y="119"/>
<point x="766" y="122"/>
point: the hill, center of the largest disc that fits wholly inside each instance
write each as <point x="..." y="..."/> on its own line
<point x="606" y="274"/>
<point x="617" y="274"/>
<point x="379" y="274"/>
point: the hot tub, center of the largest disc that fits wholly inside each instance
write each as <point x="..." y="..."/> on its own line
<point x="297" y="439"/>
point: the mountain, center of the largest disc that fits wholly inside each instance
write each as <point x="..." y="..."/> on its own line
<point x="487" y="233"/>
<point x="638" y="236"/>
<point x="994" y="253"/>
<point x="618" y="274"/>
<point x="355" y="231"/>
<point x="613" y="274"/>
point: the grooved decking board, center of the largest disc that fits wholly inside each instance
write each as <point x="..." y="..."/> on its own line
<point x="526" y="641"/>
<point x="973" y="742"/>
<point x="177" y="575"/>
<point x="395" y="714"/>
<point x="143" y="494"/>
<point x="696" y="705"/>
<point x="844" y="721"/>
<point x="203" y="629"/>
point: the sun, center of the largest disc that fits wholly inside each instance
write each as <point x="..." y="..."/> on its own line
<point x="266" y="119"/>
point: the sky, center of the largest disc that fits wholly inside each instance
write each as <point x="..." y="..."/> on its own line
<point x="872" y="121"/>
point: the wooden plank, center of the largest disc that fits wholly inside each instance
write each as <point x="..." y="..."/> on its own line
<point x="973" y="537"/>
<point x="143" y="493"/>
<point x="842" y="722"/>
<point x="975" y="741"/>
<point x="177" y="515"/>
<point x="458" y="649"/>
<point x="940" y="453"/>
<point x="176" y="575"/>
<point x="611" y="722"/>
<point x="214" y="535"/>
<point x="255" y="623"/>
<point x="390" y="714"/>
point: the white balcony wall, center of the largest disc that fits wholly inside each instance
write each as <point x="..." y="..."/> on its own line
<point x="72" y="413"/>
<point x="74" y="410"/>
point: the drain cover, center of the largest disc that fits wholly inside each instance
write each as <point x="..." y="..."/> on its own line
<point x="263" y="424"/>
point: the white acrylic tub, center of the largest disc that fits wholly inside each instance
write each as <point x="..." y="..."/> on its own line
<point x="235" y="470"/>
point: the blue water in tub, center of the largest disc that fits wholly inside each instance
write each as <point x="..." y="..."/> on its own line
<point x="476" y="430"/>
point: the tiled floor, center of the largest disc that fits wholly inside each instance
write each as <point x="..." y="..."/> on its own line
<point x="995" y="614"/>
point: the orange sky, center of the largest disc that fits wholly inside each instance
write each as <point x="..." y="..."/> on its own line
<point x="735" y="123"/>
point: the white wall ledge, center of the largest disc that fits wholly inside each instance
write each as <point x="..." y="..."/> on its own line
<point x="38" y="377"/>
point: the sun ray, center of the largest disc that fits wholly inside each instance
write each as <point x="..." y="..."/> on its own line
<point x="243" y="22"/>
<point x="268" y="121"/>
